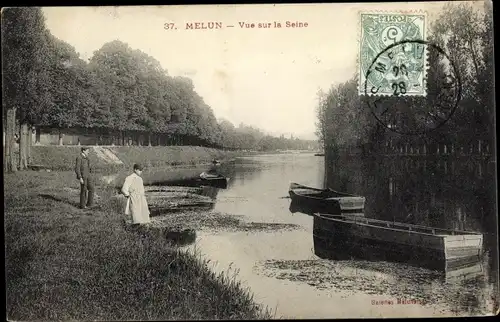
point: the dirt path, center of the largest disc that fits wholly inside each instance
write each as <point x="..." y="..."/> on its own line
<point x="106" y="155"/>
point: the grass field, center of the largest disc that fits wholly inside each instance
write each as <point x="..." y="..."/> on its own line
<point x="63" y="157"/>
<point x="66" y="264"/>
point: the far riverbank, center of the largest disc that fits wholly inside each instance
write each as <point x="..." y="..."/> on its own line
<point x="115" y="158"/>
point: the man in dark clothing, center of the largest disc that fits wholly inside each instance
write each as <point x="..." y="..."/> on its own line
<point x="83" y="174"/>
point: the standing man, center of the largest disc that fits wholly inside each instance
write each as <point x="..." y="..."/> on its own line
<point x="83" y="174"/>
<point x="133" y="189"/>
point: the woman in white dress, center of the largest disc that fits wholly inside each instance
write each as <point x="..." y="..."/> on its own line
<point x="133" y="189"/>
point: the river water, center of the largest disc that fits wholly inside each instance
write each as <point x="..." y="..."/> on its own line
<point x="282" y="271"/>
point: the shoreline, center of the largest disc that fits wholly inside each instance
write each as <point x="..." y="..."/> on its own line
<point x="61" y="158"/>
<point x="65" y="263"/>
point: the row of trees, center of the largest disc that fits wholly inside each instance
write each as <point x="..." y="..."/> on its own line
<point x="119" y="89"/>
<point x="465" y="33"/>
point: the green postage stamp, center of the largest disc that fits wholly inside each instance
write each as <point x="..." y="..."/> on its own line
<point x="392" y="54"/>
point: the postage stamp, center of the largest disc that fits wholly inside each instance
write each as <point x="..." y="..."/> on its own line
<point x="443" y="92"/>
<point x="400" y="70"/>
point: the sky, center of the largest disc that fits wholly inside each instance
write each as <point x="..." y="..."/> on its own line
<point x="267" y="78"/>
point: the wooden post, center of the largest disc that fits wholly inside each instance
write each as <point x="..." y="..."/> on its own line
<point x="38" y="133"/>
<point x="61" y="135"/>
<point x="9" y="162"/>
<point x="30" y="142"/>
<point x="23" y="142"/>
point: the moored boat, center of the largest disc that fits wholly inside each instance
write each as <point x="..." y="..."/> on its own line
<point x="312" y="200"/>
<point x="216" y="181"/>
<point x="213" y="180"/>
<point x="372" y="239"/>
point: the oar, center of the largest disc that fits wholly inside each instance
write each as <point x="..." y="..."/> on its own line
<point x="285" y="197"/>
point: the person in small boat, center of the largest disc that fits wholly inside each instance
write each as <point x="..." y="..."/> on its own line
<point x="213" y="171"/>
<point x="133" y="190"/>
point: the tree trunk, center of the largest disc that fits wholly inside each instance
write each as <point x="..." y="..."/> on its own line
<point x="149" y="138"/>
<point x="473" y="52"/>
<point x="61" y="135"/>
<point x="38" y="133"/>
<point x="23" y="142"/>
<point x="30" y="143"/>
<point x="9" y="162"/>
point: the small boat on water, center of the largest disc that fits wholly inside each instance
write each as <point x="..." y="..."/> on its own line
<point x="213" y="180"/>
<point x="312" y="200"/>
<point x="319" y="154"/>
<point x="203" y="180"/>
<point x="340" y="237"/>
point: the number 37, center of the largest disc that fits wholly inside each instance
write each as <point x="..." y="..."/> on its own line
<point x="399" y="88"/>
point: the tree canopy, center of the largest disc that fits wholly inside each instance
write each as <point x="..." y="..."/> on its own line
<point x="119" y="89"/>
<point x="465" y="34"/>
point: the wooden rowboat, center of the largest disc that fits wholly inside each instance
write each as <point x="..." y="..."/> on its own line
<point x="216" y="181"/>
<point x="312" y="200"/>
<point x="339" y="237"/>
<point x="213" y="180"/>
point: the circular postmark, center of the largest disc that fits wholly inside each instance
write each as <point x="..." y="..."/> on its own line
<point x="412" y="87"/>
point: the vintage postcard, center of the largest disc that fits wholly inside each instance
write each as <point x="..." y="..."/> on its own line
<point x="258" y="161"/>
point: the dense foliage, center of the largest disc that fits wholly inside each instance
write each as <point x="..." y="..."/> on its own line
<point x="465" y="33"/>
<point x="118" y="90"/>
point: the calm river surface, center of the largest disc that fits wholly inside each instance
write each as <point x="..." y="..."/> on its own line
<point x="283" y="273"/>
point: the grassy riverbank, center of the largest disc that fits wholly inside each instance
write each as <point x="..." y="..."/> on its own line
<point x="63" y="157"/>
<point x="66" y="264"/>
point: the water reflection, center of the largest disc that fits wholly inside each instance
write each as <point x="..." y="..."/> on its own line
<point x="448" y="193"/>
<point x="259" y="186"/>
<point x="421" y="191"/>
<point x="255" y="193"/>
